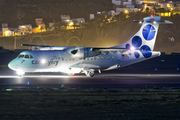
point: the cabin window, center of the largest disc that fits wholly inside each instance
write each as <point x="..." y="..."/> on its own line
<point x="101" y="58"/>
<point x="108" y="57"/>
<point x="30" y="56"/>
<point x="87" y="58"/>
<point x="105" y="57"/>
<point x="112" y="57"/>
<point x="20" y="56"/>
<point x="62" y="59"/>
<point x="69" y="58"/>
<point x="98" y="58"/>
<point x="26" y="56"/>
<point x="72" y="58"/>
<point x="58" y="58"/>
<point x="66" y="58"/>
<point x="91" y="58"/>
<point x="94" y="58"/>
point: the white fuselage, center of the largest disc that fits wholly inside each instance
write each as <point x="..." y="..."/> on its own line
<point x="62" y="61"/>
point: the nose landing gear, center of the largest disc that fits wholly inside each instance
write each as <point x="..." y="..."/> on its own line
<point x="20" y="73"/>
<point x="70" y="74"/>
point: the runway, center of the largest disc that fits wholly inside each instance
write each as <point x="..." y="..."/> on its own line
<point x="116" y="79"/>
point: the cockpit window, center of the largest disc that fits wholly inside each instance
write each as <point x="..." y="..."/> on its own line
<point x="30" y="56"/>
<point x="26" y="56"/>
<point x="20" y="56"/>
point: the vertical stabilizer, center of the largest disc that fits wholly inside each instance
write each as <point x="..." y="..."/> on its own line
<point x="145" y="38"/>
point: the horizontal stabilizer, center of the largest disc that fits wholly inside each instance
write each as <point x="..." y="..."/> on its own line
<point x="153" y="19"/>
<point x="160" y="22"/>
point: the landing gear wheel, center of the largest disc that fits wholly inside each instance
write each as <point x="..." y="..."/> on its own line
<point x="70" y="74"/>
<point x="20" y="73"/>
<point x="90" y="74"/>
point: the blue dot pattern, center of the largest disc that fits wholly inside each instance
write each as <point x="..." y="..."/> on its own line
<point x="146" y="51"/>
<point x="136" y="41"/>
<point x="136" y="54"/>
<point x="148" y="32"/>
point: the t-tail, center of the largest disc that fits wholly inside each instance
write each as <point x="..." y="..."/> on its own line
<point x="145" y="38"/>
<point x="140" y="46"/>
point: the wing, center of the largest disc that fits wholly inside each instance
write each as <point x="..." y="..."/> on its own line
<point x="44" y="47"/>
<point x="73" y="51"/>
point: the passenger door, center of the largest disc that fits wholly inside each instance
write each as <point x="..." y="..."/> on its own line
<point x="119" y="62"/>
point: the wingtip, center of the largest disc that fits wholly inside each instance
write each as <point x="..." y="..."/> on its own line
<point x="168" y="22"/>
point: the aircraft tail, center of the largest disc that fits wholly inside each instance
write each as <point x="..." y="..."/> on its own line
<point x="145" y="38"/>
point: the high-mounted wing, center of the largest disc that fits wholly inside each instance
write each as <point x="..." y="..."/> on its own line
<point x="44" y="47"/>
<point x="74" y="50"/>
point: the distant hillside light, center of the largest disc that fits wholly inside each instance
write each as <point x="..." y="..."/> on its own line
<point x="71" y="23"/>
<point x="126" y="11"/>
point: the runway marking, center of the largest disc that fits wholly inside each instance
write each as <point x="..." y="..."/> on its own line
<point x="42" y="76"/>
<point x="97" y="75"/>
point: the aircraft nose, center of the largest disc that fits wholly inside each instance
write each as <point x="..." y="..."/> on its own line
<point x="11" y="65"/>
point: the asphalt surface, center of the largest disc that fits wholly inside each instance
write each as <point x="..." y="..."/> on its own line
<point x="116" y="79"/>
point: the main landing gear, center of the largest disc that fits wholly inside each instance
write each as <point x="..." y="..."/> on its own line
<point x="89" y="73"/>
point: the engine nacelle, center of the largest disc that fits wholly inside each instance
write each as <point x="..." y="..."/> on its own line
<point x="89" y="52"/>
<point x="83" y="52"/>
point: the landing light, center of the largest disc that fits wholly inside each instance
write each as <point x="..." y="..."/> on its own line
<point x="154" y="22"/>
<point x="43" y="61"/>
<point x="140" y="22"/>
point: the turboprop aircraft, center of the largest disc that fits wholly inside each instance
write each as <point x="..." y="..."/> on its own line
<point x="86" y="60"/>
